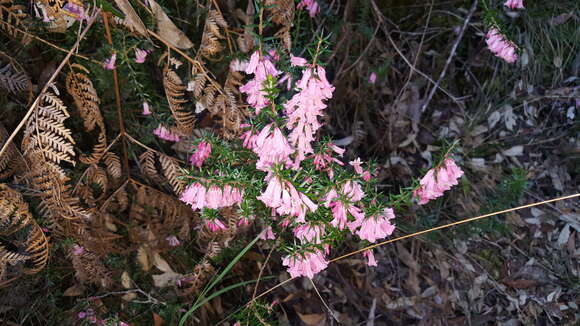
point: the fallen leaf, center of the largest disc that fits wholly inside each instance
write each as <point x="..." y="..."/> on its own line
<point x="167" y="29"/>
<point x="157" y="320"/>
<point x="166" y="279"/>
<point x="161" y="263"/>
<point x="521" y="284"/>
<point x="514" y="151"/>
<point x="131" y="17"/>
<point x="564" y="235"/>
<point x="74" y="291"/>
<point x="312" y="319"/>
<point x="143" y="259"/>
<point x="126" y="280"/>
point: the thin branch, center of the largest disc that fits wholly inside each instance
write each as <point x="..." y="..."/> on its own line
<point x="423" y="232"/>
<point x="451" y="55"/>
<point x="90" y="22"/>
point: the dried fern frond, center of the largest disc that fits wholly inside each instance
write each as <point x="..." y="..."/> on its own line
<point x="80" y="87"/>
<point x="90" y="269"/>
<point x="11" y="162"/>
<point x="210" y="44"/>
<point x="113" y="164"/>
<point x="11" y="16"/>
<point x="148" y="167"/>
<point x="172" y="172"/>
<point x="175" y="93"/>
<point x="46" y="133"/>
<point x="14" y="214"/>
<point x="281" y="11"/>
<point x="13" y="78"/>
<point x="37" y="248"/>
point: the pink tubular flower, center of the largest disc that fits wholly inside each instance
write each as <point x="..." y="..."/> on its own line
<point x="109" y="64"/>
<point x="272" y="147"/>
<point x="297" y="61"/>
<point x="437" y="181"/>
<point x="307" y="265"/>
<point x="352" y="193"/>
<point x="140" y="55"/>
<point x="514" y="4"/>
<point x="215" y="225"/>
<point x="371" y="257"/>
<point x="165" y="134"/>
<point x="173" y="241"/>
<point x="199" y="197"/>
<point x="373" y="77"/>
<point x="77" y="12"/>
<point x="82" y="315"/>
<point x="500" y="46"/>
<point x="146" y="110"/>
<point x="309" y="233"/>
<point x="201" y="154"/>
<point x="356" y="164"/>
<point x="311" y="6"/>
<point x="377" y="227"/>
<point x="286" y="200"/>
<point x="267" y="234"/>
<point x="323" y="159"/>
<point x="304" y="108"/>
<point x="261" y="68"/>
<point x="366" y="176"/>
<point x="77" y="250"/>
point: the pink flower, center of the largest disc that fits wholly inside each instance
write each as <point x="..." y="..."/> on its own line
<point x="366" y="176"/>
<point x="82" y="315"/>
<point x="371" y="257"/>
<point x="304" y="108"/>
<point x="122" y="323"/>
<point x="249" y="139"/>
<point x="297" y="61"/>
<point x="308" y="264"/>
<point x="244" y="221"/>
<point x="199" y="197"/>
<point x="146" y="110"/>
<point x="309" y="233"/>
<point x="356" y="164"/>
<point x="77" y="250"/>
<point x="201" y="154"/>
<point x="286" y="200"/>
<point x="78" y="12"/>
<point x="514" y="4"/>
<point x="173" y="241"/>
<point x="311" y="6"/>
<point x="109" y="64"/>
<point x="377" y="227"/>
<point x="165" y="134"/>
<point x="261" y="68"/>
<point x="238" y="65"/>
<point x="267" y="234"/>
<point x="500" y="46"/>
<point x="215" y="225"/>
<point x="272" y="148"/>
<point x="323" y="159"/>
<point x="372" y="78"/>
<point x="436" y="181"/>
<point x="140" y="55"/>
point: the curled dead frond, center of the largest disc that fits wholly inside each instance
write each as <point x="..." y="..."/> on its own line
<point x="11" y="16"/>
<point x="281" y="11"/>
<point x="210" y="40"/>
<point x="14" y="217"/>
<point x="148" y="167"/>
<point x="11" y="161"/>
<point x="113" y="164"/>
<point x="80" y="87"/>
<point x="175" y="92"/>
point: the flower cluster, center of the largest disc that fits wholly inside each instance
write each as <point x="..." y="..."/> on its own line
<point x="109" y="64"/>
<point x="341" y="203"/>
<point x="283" y="197"/>
<point x="377" y="226"/>
<point x="304" y="108"/>
<point x="165" y="134"/>
<point x="437" y="181"/>
<point x="306" y="264"/>
<point x="514" y="4"/>
<point x="272" y="148"/>
<point x="500" y="46"/>
<point x="261" y="67"/>
<point x="200" y="197"/>
<point x="201" y="154"/>
<point x="140" y="55"/>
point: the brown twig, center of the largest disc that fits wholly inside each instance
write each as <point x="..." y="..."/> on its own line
<point x="451" y="54"/>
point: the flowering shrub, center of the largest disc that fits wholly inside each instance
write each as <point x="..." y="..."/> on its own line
<point x="280" y="175"/>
